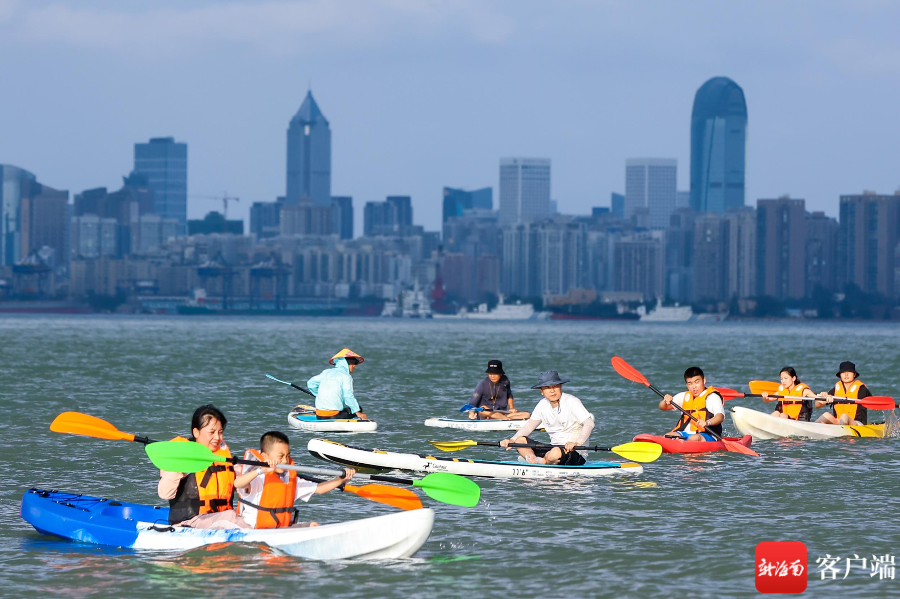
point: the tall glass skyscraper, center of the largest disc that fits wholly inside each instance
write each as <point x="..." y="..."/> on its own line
<point x="309" y="155"/>
<point x="651" y="183"/>
<point x="164" y="162"/>
<point x="524" y="189"/>
<point x="718" y="145"/>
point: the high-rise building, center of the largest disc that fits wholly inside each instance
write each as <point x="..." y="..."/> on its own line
<point x="265" y="219"/>
<point x="781" y="248"/>
<point x="617" y="205"/>
<point x="718" y="145"/>
<point x="680" y="255"/>
<point x="639" y="264"/>
<point x="867" y="244"/>
<point x="682" y="199"/>
<point x="164" y="163"/>
<point x="742" y="228"/>
<point x="44" y="218"/>
<point x="404" y="211"/>
<point x="306" y="218"/>
<point x="710" y="258"/>
<point x="651" y="183"/>
<point x="821" y="252"/>
<point x="520" y="269"/>
<point x="15" y="184"/>
<point x="458" y="200"/>
<point x="309" y="155"/>
<point x="94" y="236"/>
<point x="379" y="218"/>
<point x="342" y="217"/>
<point x="524" y="189"/>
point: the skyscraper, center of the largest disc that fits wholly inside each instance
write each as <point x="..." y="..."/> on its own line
<point x="15" y="184"/>
<point x="651" y="183"/>
<point x="342" y="217"/>
<point x="403" y="206"/>
<point x="457" y="200"/>
<point x="524" y="189"/>
<point x="309" y="155"/>
<point x="718" y="145"/>
<point x="867" y="244"/>
<point x="617" y="205"/>
<point x="781" y="247"/>
<point x="164" y="163"/>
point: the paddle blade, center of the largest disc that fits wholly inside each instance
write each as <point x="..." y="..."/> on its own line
<point x="453" y="445"/>
<point x="277" y="380"/>
<point x="877" y="402"/>
<point x="450" y="488"/>
<point x="403" y="499"/>
<point x="470" y="408"/>
<point x="626" y="370"/>
<point x="738" y="448"/>
<point x="76" y="423"/>
<point x="181" y="456"/>
<point x="728" y="393"/>
<point x="638" y="451"/>
<point x="757" y="387"/>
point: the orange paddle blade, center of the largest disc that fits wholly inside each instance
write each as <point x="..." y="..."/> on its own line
<point x="728" y="393"/>
<point x="738" y="448"/>
<point x="76" y="423"/>
<point x="627" y="371"/>
<point x="757" y="387"/>
<point x="399" y="498"/>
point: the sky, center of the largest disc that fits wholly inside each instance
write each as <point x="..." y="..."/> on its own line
<point x="425" y="94"/>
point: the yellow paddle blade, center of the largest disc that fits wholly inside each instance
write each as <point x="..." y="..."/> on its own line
<point x="453" y="445"/>
<point x="76" y="423"/>
<point x="757" y="387"/>
<point x="638" y="451"/>
<point x="403" y="499"/>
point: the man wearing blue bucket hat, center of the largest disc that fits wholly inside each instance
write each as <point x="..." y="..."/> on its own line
<point x="564" y="418"/>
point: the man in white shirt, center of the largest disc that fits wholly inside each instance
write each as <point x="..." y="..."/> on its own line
<point x="702" y="402"/>
<point x="564" y="417"/>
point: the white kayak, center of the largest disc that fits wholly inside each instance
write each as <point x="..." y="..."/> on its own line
<point x="476" y="425"/>
<point x="765" y="426"/>
<point x="118" y="524"/>
<point x="375" y="459"/>
<point x="308" y="422"/>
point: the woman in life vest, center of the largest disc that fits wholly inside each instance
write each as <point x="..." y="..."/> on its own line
<point x="794" y="409"/>
<point x="266" y="494"/>
<point x="203" y="499"/>
<point x="848" y="387"/>
<point x="700" y="401"/>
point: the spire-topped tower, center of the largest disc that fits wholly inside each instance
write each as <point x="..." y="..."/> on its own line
<point x="309" y="155"/>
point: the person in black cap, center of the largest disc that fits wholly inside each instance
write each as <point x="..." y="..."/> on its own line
<point x="848" y="387"/>
<point x="494" y="394"/>
<point x="565" y="419"/>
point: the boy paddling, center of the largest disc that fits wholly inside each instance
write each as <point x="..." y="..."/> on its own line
<point x="702" y="402"/>
<point x="564" y="417"/>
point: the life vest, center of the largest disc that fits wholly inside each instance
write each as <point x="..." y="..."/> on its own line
<point x="276" y="503"/>
<point x="853" y="410"/>
<point x="796" y="409"/>
<point x="327" y="413"/>
<point x="211" y="490"/>
<point x="696" y="407"/>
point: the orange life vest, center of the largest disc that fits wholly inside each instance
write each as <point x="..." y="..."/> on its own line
<point x="276" y="503"/>
<point x="853" y="410"/>
<point x="793" y="407"/>
<point x="211" y="490"/>
<point x="696" y="407"/>
<point x="327" y="413"/>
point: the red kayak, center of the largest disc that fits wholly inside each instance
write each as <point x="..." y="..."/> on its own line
<point x="681" y="446"/>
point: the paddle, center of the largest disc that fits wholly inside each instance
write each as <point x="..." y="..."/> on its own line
<point x="873" y="402"/>
<point x="627" y="371"/>
<point x="638" y="451"/>
<point x="178" y="456"/>
<point x="470" y="408"/>
<point x="757" y="387"/>
<point x="76" y="423"/>
<point x="294" y="385"/>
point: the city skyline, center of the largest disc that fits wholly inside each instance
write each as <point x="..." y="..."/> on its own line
<point x="411" y="135"/>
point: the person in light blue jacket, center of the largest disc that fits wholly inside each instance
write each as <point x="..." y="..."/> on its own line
<point x="333" y="388"/>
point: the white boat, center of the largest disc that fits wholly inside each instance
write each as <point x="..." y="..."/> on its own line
<point x="466" y="424"/>
<point x="662" y="313"/>
<point x="502" y="311"/>
<point x="306" y="421"/>
<point x="113" y="523"/>
<point x="765" y="426"/>
<point x="376" y="459"/>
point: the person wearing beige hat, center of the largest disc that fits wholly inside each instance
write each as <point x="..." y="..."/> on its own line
<point x="333" y="388"/>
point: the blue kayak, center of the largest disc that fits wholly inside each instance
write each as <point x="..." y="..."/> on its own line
<point x="119" y="524"/>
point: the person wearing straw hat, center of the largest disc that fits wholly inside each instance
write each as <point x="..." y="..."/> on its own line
<point x="848" y="387"/>
<point x="563" y="416"/>
<point x="494" y="394"/>
<point x="333" y="388"/>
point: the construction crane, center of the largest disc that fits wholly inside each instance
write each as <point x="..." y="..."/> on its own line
<point x="224" y="198"/>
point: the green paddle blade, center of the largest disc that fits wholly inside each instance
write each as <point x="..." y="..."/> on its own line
<point x="450" y="488"/>
<point x="453" y="445"/>
<point x="638" y="451"/>
<point x="180" y="456"/>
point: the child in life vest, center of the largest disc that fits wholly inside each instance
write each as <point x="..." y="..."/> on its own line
<point x="266" y="496"/>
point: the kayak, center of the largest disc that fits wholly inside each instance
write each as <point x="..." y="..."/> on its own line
<point x="681" y="446"/>
<point x="765" y="426"/>
<point x="309" y="422"/>
<point x="382" y="461"/>
<point x="118" y="524"/>
<point x="476" y="425"/>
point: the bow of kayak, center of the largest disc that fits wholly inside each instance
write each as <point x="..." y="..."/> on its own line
<point x="308" y="422"/>
<point x="680" y="446"/>
<point x="765" y="426"/>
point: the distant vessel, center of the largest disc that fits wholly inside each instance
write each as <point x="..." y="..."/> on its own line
<point x="662" y="313"/>
<point x="413" y="304"/>
<point x="502" y="311"/>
